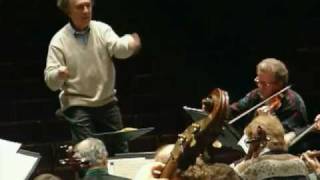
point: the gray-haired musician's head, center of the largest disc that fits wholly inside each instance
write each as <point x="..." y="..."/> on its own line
<point x="93" y="151"/>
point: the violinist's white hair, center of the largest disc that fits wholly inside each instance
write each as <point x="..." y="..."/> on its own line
<point x="91" y="150"/>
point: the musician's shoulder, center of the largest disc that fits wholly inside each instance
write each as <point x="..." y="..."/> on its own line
<point x="267" y="166"/>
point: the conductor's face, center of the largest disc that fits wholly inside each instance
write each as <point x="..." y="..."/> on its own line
<point x="80" y="13"/>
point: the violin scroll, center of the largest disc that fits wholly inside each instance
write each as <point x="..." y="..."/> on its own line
<point x="257" y="143"/>
<point x="207" y="104"/>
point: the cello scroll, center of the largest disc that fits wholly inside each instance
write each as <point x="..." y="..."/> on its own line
<point x="198" y="135"/>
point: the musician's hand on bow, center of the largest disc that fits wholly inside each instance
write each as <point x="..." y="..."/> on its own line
<point x="135" y="42"/>
<point x="288" y="137"/>
<point x="264" y="110"/>
<point x="311" y="160"/>
<point x="317" y="122"/>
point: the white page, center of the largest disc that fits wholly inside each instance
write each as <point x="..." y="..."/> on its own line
<point x="126" y="167"/>
<point x="8" y="146"/>
<point x="15" y="165"/>
<point x="243" y="144"/>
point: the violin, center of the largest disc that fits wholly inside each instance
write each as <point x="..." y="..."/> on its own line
<point x="272" y="105"/>
<point x="260" y="104"/>
<point x="275" y="103"/>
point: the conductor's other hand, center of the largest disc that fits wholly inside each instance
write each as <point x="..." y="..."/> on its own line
<point x="63" y="73"/>
<point x="135" y="43"/>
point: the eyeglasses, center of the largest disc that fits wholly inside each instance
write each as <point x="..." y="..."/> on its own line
<point x="263" y="83"/>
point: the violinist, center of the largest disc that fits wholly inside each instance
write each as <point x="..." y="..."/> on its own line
<point x="272" y="76"/>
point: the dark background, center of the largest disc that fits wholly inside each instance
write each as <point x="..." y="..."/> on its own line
<point x="189" y="48"/>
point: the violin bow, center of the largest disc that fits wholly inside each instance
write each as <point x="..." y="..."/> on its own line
<point x="258" y="105"/>
<point x="301" y="135"/>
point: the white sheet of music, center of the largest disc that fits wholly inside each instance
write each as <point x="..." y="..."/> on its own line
<point x="14" y="165"/>
<point x="243" y="144"/>
<point x="8" y="146"/>
<point x="126" y="167"/>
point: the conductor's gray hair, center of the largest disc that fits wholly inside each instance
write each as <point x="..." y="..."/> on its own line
<point x="63" y="5"/>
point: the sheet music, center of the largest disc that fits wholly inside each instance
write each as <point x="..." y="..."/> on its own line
<point x="15" y="165"/>
<point x="126" y="167"/>
<point x="8" y="146"/>
<point x="243" y="144"/>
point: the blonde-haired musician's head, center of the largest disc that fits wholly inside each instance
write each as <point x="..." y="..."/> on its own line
<point x="273" y="128"/>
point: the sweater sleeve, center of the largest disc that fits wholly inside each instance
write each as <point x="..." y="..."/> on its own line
<point x="245" y="103"/>
<point x="55" y="59"/>
<point x="117" y="46"/>
<point x="293" y="113"/>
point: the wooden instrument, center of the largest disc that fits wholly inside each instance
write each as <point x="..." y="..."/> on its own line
<point x="275" y="103"/>
<point x="257" y="143"/>
<point x="274" y="97"/>
<point x="198" y="135"/>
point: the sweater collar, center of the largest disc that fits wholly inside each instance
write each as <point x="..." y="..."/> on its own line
<point x="77" y="33"/>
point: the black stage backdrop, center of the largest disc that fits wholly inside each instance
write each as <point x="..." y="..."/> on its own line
<point x="189" y="48"/>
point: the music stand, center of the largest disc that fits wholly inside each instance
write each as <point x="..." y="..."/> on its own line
<point x="194" y="113"/>
<point x="112" y="139"/>
<point x="230" y="137"/>
<point x="125" y="134"/>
